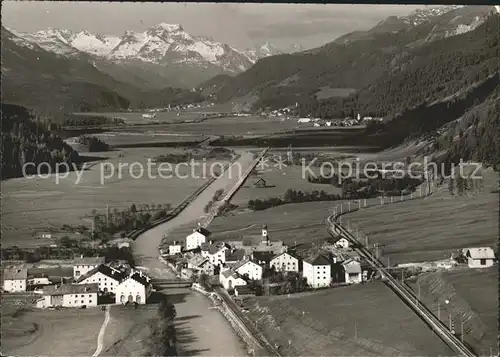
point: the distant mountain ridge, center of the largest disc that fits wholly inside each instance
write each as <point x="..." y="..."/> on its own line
<point x="353" y="61"/>
<point x="163" y="45"/>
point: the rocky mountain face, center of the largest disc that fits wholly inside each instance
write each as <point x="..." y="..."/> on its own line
<point x="164" y="51"/>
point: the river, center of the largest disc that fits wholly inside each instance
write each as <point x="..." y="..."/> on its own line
<point x="202" y="331"/>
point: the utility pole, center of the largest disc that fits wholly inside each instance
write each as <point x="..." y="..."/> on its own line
<point x="462" y="331"/>
<point x="107" y="215"/>
<point x="355" y="331"/>
<point x="439" y="312"/>
<point x="366" y="241"/>
<point x="392" y="199"/>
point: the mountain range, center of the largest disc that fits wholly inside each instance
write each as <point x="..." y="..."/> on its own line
<point x="164" y="54"/>
<point x="351" y="62"/>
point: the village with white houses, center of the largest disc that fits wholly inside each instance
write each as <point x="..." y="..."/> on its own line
<point x="95" y="282"/>
<point x="258" y="265"/>
<point x="255" y="265"/>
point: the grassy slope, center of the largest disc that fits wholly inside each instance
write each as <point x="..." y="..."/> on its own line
<point x="323" y="323"/>
<point x="432" y="228"/>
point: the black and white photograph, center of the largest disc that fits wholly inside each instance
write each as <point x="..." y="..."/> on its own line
<point x="249" y="179"/>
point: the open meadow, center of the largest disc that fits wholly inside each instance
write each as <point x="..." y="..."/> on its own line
<point x="136" y="117"/>
<point x="432" y="228"/>
<point x="478" y="311"/>
<point x="32" y="206"/>
<point x="124" y="138"/>
<point x="278" y="181"/>
<point x="361" y="320"/>
<point x="31" y="332"/>
<point x="128" y="330"/>
<point x="296" y="223"/>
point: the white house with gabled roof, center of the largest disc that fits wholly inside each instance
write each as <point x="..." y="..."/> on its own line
<point x="229" y="279"/>
<point x="106" y="277"/>
<point x="197" y="238"/>
<point x="134" y="288"/>
<point x="482" y="257"/>
<point x="250" y="268"/>
<point x="318" y="271"/>
<point x="352" y="271"/>
<point x="15" y="279"/>
<point x="285" y="262"/>
<point x="83" y="265"/>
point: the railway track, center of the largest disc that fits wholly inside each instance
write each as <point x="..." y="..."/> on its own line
<point x="402" y="290"/>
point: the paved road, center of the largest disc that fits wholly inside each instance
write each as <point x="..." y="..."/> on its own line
<point x="202" y="331"/>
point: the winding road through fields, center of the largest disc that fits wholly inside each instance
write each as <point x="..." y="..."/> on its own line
<point x="201" y="331"/>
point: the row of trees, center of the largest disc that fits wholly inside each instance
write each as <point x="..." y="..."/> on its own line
<point x="130" y="219"/>
<point x="162" y="337"/>
<point x="93" y="144"/>
<point x="216" y="197"/>
<point x="292" y="196"/>
<point x="67" y="252"/>
<point x="91" y="120"/>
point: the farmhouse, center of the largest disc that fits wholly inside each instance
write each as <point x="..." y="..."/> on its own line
<point x="243" y="290"/>
<point x="317" y="271"/>
<point x="14" y="279"/>
<point x="304" y="120"/>
<point x="105" y="277"/>
<point x="134" y="288"/>
<point x="233" y="256"/>
<point x="201" y="265"/>
<point x="216" y="252"/>
<point x="83" y="265"/>
<point x="174" y="248"/>
<point x="229" y="279"/>
<point x="479" y="257"/>
<point x="260" y="183"/>
<point x="249" y="268"/>
<point x="352" y="271"/>
<point x="69" y="295"/>
<point x="197" y="238"/>
<point x="285" y="262"/>
<point x="36" y="279"/>
<point x="341" y="242"/>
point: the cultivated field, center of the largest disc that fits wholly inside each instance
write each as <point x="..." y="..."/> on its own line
<point x="431" y="228"/>
<point x="363" y="320"/>
<point x="32" y="206"/>
<point x="33" y="332"/>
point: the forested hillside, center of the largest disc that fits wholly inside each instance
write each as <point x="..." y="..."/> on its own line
<point x="25" y="140"/>
<point x="432" y="72"/>
<point x="370" y="61"/>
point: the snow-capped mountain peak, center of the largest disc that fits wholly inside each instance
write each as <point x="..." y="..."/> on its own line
<point x="162" y="45"/>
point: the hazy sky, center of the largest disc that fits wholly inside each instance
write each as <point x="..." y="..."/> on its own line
<point x="239" y="25"/>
